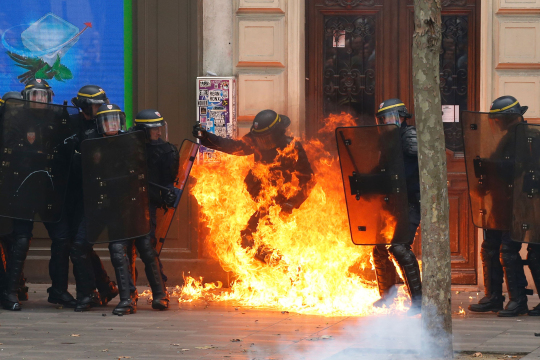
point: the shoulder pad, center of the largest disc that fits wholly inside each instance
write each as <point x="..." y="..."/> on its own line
<point x="409" y="141"/>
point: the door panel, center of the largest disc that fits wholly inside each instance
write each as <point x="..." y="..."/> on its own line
<point x="359" y="53"/>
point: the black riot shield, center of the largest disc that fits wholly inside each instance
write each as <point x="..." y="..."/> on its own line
<point x="6" y="226"/>
<point x="37" y="149"/>
<point x="373" y="174"/>
<point x="489" y="142"/>
<point x="164" y="218"/>
<point x="115" y="187"/>
<point x="526" y="187"/>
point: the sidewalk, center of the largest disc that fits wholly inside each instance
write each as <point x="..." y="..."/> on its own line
<point x="222" y="331"/>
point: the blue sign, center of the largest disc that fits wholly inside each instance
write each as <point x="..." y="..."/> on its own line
<point x="68" y="43"/>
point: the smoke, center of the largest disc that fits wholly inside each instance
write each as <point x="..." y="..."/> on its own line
<point x="369" y="338"/>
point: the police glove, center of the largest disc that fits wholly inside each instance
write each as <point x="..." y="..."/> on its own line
<point x="169" y="198"/>
<point x="287" y="208"/>
<point x="199" y="132"/>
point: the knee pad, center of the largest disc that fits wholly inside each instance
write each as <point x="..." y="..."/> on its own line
<point x="400" y="251"/>
<point x="21" y="244"/>
<point x="510" y="253"/>
<point x="118" y="254"/>
<point x="380" y="252"/>
<point x="79" y="250"/>
<point x="146" y="250"/>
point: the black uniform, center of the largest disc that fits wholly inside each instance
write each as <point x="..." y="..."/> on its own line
<point x="384" y="267"/>
<point x="500" y="255"/>
<point x="87" y="266"/>
<point x="163" y="162"/>
<point x="283" y="168"/>
<point x="29" y="141"/>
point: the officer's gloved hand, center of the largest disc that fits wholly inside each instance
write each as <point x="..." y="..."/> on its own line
<point x="199" y="132"/>
<point x="169" y="198"/>
<point x="286" y="209"/>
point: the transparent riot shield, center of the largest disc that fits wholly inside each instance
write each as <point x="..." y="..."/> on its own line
<point x="115" y="187"/>
<point x="37" y="149"/>
<point x="373" y="174"/>
<point x="526" y="187"/>
<point x="164" y="218"/>
<point x="489" y="143"/>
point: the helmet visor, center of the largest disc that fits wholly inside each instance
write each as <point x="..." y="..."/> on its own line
<point x="39" y="95"/>
<point x="157" y="131"/>
<point x="390" y="117"/>
<point x="110" y="123"/>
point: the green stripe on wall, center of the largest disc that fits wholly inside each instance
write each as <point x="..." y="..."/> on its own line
<point x="128" y="62"/>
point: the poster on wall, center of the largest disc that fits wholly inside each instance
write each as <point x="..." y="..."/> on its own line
<point x="69" y="44"/>
<point x="216" y="102"/>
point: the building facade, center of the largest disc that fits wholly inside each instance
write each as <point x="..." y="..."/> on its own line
<point x="311" y="58"/>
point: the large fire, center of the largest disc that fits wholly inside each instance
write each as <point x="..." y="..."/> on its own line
<point x="312" y="266"/>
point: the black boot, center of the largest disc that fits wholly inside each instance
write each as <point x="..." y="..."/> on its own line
<point x="58" y="272"/>
<point x="120" y="262"/>
<point x="386" y="276"/>
<point x="411" y="272"/>
<point x="151" y="267"/>
<point x="533" y="256"/>
<point x="493" y="303"/>
<point x="493" y="276"/>
<point x="160" y="296"/>
<point x="87" y="301"/>
<point x="15" y="264"/>
<point x="107" y="288"/>
<point x="2" y="267"/>
<point x="22" y="292"/>
<point x="63" y="298"/>
<point x="132" y="255"/>
<point x="108" y="293"/>
<point x="87" y="297"/>
<point x="513" y="272"/>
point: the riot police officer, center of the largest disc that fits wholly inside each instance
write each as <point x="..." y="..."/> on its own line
<point x="500" y="255"/>
<point x="89" y="98"/>
<point x="163" y="161"/>
<point x="38" y="91"/>
<point x="266" y="140"/>
<point x="393" y="111"/>
<point x="6" y="224"/>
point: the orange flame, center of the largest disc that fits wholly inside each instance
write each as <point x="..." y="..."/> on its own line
<point x="311" y="265"/>
<point x="389" y="227"/>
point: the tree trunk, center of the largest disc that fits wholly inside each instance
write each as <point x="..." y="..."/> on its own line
<point x="436" y="277"/>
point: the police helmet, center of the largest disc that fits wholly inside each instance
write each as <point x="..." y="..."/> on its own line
<point x="267" y="127"/>
<point x="110" y="119"/>
<point x="10" y="95"/>
<point x="87" y="96"/>
<point x="390" y="112"/>
<point x="152" y="119"/>
<point x="37" y="90"/>
<point x="507" y="104"/>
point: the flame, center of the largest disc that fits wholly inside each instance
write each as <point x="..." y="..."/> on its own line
<point x="389" y="226"/>
<point x="311" y="265"/>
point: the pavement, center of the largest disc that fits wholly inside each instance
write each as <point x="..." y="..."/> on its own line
<point x="210" y="330"/>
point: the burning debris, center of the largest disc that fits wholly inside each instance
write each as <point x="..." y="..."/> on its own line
<point x="311" y="264"/>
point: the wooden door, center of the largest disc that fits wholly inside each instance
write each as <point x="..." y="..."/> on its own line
<point x="359" y="53"/>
